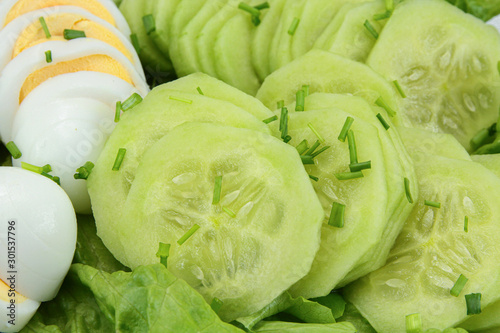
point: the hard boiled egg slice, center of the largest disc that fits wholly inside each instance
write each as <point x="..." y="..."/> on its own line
<point x="30" y="68"/>
<point x="16" y="310"/>
<point x="105" y="9"/>
<point x="37" y="218"/>
<point x="65" y="122"/>
<point x="26" y="31"/>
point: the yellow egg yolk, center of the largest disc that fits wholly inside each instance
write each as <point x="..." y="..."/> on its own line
<point x="94" y="63"/>
<point x="6" y="294"/>
<point x="56" y="23"/>
<point x="24" y="6"/>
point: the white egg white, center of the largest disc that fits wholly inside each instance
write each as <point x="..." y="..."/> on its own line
<point x="15" y="73"/>
<point x="16" y="315"/>
<point x="44" y="233"/>
<point x="10" y="33"/>
<point x="65" y="122"/>
<point x="121" y="23"/>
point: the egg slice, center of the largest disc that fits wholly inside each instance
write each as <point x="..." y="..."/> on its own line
<point x="105" y="9"/>
<point x="38" y="217"/>
<point x="29" y="69"/>
<point x="16" y="310"/>
<point x="26" y="31"/>
<point x="65" y="122"/>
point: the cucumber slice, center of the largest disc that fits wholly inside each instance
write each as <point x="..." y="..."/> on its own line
<point x="433" y="250"/>
<point x="491" y="162"/>
<point x="275" y="228"/>
<point x="163" y="14"/>
<point x="137" y="130"/>
<point x="488" y="321"/>
<point x="446" y="63"/>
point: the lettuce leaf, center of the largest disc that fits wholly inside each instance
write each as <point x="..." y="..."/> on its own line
<point x="283" y="327"/>
<point x="483" y="9"/>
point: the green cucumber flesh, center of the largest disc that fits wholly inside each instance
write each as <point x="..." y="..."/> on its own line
<point x="164" y="11"/>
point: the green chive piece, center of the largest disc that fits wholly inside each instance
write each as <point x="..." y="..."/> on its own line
<point x="252" y="10"/>
<point x="320" y="138"/>
<point x="459" y="285"/>
<point x="466" y="224"/>
<point x="414" y="323"/>
<point x="149" y="23"/>
<point x="200" y="91"/>
<point x="255" y="20"/>
<point x="407" y="190"/>
<point x="345" y="128"/>
<point x="263" y="5"/>
<point x="360" y="166"/>
<point x="135" y="43"/>
<point x="48" y="56"/>
<point x="353" y="154"/>
<point x="119" y="159"/>
<point x="270" y="119"/>
<point x="73" y="34"/>
<point x="84" y="171"/>
<point x="302" y="147"/>
<point x="281" y="104"/>
<point x="188" y="234"/>
<point x="217" y="190"/>
<point x="47" y="168"/>
<point x="287" y="139"/>
<point x="284" y="123"/>
<point x="316" y="153"/>
<point x="399" y="89"/>
<point x="382" y="16"/>
<point x="380" y="102"/>
<point x="313" y="148"/>
<point x="371" y="29"/>
<point x="132" y="101"/>
<point x="293" y="26"/>
<point x="383" y="122"/>
<point x="13" y="150"/>
<point x="473" y="303"/>
<point x="57" y="180"/>
<point x="229" y="212"/>
<point x="180" y="99"/>
<point x="45" y="27"/>
<point x="306" y="90"/>
<point x="300" y="100"/>
<point x="389" y="5"/>
<point x="480" y="138"/>
<point x="31" y="167"/>
<point x="337" y="215"/>
<point x="118" y="110"/>
<point x="163" y="253"/>
<point x="216" y="304"/>
<point x="313" y="178"/>
<point x="432" y="204"/>
<point x="307" y="159"/>
<point x="349" y="175"/>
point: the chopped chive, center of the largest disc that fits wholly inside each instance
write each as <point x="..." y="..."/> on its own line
<point x="163" y="253"/>
<point x="149" y="23"/>
<point x="316" y="153"/>
<point x="180" y="99"/>
<point x="135" y="43"/>
<point x="284" y="123"/>
<point x="360" y="166"/>
<point x="57" y="180"/>
<point x="281" y="104"/>
<point x="293" y="26"/>
<point x="300" y="100"/>
<point x="307" y="159"/>
<point x="252" y="10"/>
<point x="229" y="212"/>
<point x="255" y="20"/>
<point x="216" y="304"/>
<point x="45" y="27"/>
<point x="270" y="119"/>
<point x="382" y="16"/>
<point x="73" y="34"/>
<point x="118" y="110"/>
<point x="47" y="168"/>
<point x="48" y="56"/>
<point x="345" y="128"/>
<point x="320" y="138"/>
<point x="217" y="190"/>
<point x="119" y="159"/>
<point x="306" y="90"/>
<point x="383" y="122"/>
<point x="407" y="190"/>
<point x="302" y="147"/>
<point x="399" y="89"/>
<point x="31" y="167"/>
<point x="349" y="175"/>
<point x="13" y="150"/>
<point x="473" y="303"/>
<point x="480" y="138"/>
<point x="432" y="204"/>
<point x="389" y="5"/>
<point x="200" y="91"/>
<point x="263" y="5"/>
<point x="188" y="234"/>
<point x="287" y="139"/>
<point x="313" y="178"/>
<point x="353" y="154"/>
<point x="132" y="101"/>
<point x="466" y="224"/>
<point x="337" y="215"/>
<point x="371" y="29"/>
<point x="84" y="171"/>
<point x="414" y="323"/>
<point x="380" y="102"/>
<point x="313" y="148"/>
<point x="459" y="285"/>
